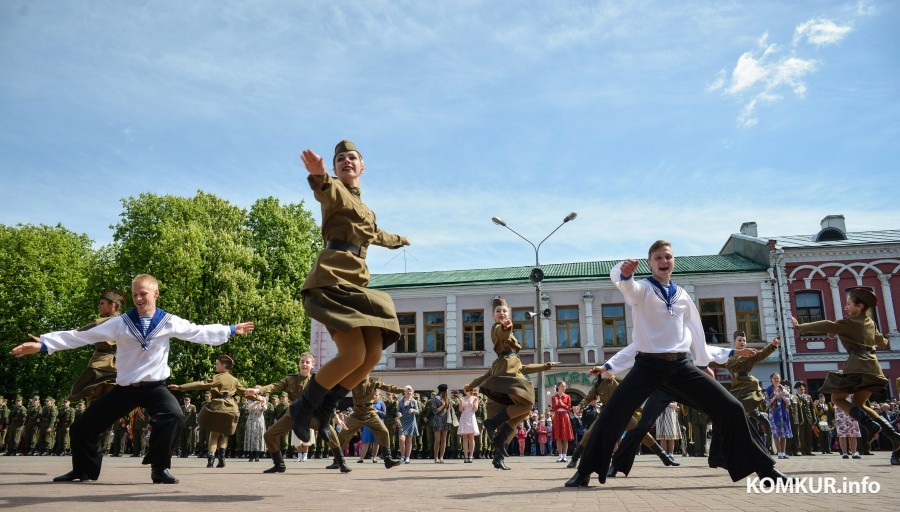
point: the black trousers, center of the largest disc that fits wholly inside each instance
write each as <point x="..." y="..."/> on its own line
<point x="623" y="459"/>
<point x="744" y="453"/>
<point x="166" y="420"/>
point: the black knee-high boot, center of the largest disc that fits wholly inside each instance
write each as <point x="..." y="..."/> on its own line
<point x="278" y="463"/>
<point x="500" y="435"/>
<point x="325" y="411"/>
<point x="888" y="431"/>
<point x="220" y="453"/>
<point x="575" y="456"/>
<point x="663" y="456"/>
<point x="389" y="461"/>
<point x="303" y="408"/>
<point x="491" y="424"/>
<point x="338" y="461"/>
<point x="210" y="458"/>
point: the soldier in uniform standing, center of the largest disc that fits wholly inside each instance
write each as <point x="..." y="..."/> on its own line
<point x="65" y="417"/>
<point x="825" y="417"/>
<point x="699" y="422"/>
<point x="189" y="430"/>
<point x="119" y="437"/>
<point x="47" y="427"/>
<point x="29" y="432"/>
<point x="100" y="375"/>
<point x="392" y="420"/>
<point x="481" y="441"/>
<point x="17" y="414"/>
<point x="293" y="384"/>
<point x="428" y="439"/>
<point x="807" y="419"/>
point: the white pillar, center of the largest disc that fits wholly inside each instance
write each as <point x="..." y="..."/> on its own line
<point x="545" y="329"/>
<point x="888" y="302"/>
<point x="451" y="342"/>
<point x="838" y="303"/>
<point x="589" y="343"/>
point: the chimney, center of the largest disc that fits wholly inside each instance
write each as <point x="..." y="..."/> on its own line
<point x="749" y="229"/>
<point x="833" y="221"/>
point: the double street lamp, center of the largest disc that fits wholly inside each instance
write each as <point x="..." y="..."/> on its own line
<point x="536" y="276"/>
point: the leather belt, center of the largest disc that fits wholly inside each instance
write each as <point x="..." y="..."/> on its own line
<point x="743" y="374"/>
<point x="862" y="352"/>
<point x="340" y="245"/>
<point x="665" y="356"/>
<point x="105" y="350"/>
<point x="145" y="383"/>
<point x="508" y="353"/>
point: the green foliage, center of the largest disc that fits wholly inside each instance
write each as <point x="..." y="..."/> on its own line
<point x="44" y="286"/>
<point x="216" y="263"/>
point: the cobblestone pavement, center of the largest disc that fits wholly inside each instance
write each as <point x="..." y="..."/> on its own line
<point x="535" y="483"/>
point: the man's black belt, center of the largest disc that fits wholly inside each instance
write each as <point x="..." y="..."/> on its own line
<point x="105" y="350"/>
<point x="145" y="383"/>
<point x="862" y="352"/>
<point x="508" y="353"/>
<point x="340" y="245"/>
<point x="665" y="356"/>
<point x="743" y="374"/>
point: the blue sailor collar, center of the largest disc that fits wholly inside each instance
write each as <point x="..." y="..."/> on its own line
<point x="133" y="322"/>
<point x="669" y="294"/>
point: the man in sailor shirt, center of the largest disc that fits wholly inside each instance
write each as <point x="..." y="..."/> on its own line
<point x="666" y="329"/>
<point x="142" y="335"/>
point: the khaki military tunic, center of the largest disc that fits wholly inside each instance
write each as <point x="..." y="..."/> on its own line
<point x="101" y="369"/>
<point x="860" y="337"/>
<point x="744" y="386"/>
<point x="364" y="412"/>
<point x="506" y="376"/>
<point x="335" y="291"/>
<point x="220" y="414"/>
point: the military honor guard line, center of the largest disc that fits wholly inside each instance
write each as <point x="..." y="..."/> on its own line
<point x="667" y="360"/>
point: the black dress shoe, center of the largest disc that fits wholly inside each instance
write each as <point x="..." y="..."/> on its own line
<point x="162" y="476"/>
<point x="579" y="480"/>
<point x="775" y="476"/>
<point x="71" y="476"/>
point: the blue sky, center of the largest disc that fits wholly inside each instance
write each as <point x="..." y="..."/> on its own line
<point x="676" y="120"/>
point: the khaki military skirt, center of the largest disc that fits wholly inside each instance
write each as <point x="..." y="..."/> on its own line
<point x="505" y="381"/>
<point x="343" y="307"/>
<point x="747" y="391"/>
<point x="836" y="382"/>
<point x="218" y="415"/>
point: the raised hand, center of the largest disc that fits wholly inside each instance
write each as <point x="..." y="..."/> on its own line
<point x="313" y="162"/>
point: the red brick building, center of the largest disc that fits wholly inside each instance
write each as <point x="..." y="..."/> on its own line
<point x="811" y="274"/>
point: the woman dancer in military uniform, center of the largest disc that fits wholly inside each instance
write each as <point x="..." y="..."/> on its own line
<point x="861" y="375"/>
<point x="361" y="321"/>
<point x="220" y="415"/>
<point x="505" y="383"/>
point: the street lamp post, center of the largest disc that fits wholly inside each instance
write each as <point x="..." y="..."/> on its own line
<point x="536" y="276"/>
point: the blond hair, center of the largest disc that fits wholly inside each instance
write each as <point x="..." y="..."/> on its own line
<point x="145" y="278"/>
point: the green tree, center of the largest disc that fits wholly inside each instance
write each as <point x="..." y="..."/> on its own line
<point x="45" y="275"/>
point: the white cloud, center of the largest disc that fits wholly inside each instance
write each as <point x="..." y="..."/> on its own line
<point x="760" y="74"/>
<point x="820" y="32"/>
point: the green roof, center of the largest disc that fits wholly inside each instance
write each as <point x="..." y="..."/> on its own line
<point x="715" y="264"/>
